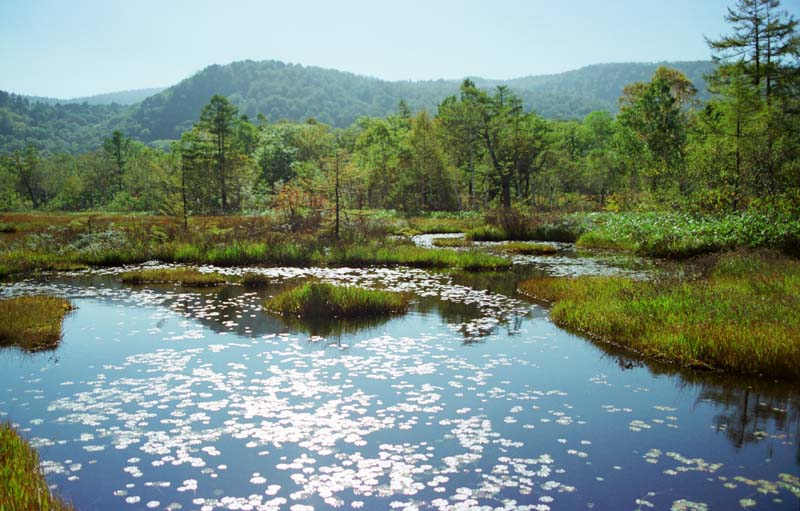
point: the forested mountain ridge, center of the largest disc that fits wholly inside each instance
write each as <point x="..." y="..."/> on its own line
<point x="291" y="91"/>
<point x="295" y="92"/>
<point x="123" y="97"/>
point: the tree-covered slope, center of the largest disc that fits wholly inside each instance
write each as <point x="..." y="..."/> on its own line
<point x="124" y="97"/>
<point x="72" y="128"/>
<point x="291" y="91"/>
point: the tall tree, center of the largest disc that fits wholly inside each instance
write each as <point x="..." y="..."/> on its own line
<point x="219" y="119"/>
<point x="117" y="148"/>
<point x="764" y="40"/>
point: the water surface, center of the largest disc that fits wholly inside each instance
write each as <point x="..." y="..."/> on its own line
<point x="171" y="398"/>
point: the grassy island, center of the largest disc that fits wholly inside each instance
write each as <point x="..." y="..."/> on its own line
<point x="32" y="323"/>
<point x="316" y="299"/>
<point x="742" y="315"/>
<point x="184" y="276"/>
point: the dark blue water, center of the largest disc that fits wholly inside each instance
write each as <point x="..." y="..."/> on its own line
<point x="167" y="398"/>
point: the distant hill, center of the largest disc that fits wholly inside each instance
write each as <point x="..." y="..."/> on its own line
<point x="291" y="91"/>
<point x="125" y="97"/>
<point x="295" y="92"/>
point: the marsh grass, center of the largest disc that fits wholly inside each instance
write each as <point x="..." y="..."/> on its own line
<point x="322" y="300"/>
<point x="184" y="276"/>
<point x="487" y="233"/>
<point x="24" y="487"/>
<point x="742" y="316"/>
<point x="32" y="323"/>
<point x="410" y="255"/>
<point x="526" y="248"/>
<point x="451" y="242"/>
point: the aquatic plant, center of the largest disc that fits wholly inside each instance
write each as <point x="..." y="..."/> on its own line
<point x="24" y="487"/>
<point x="743" y="315"/>
<point x="33" y="322"/>
<point x="317" y="299"/>
<point x="184" y="276"/>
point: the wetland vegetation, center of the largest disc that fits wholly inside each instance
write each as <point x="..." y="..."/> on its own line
<point x="323" y="300"/>
<point x="24" y="484"/>
<point x="32" y="323"/>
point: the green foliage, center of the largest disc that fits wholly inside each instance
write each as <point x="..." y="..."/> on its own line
<point x="680" y="235"/>
<point x="316" y="299"/>
<point x="742" y="317"/>
<point x="24" y="485"/>
<point x="32" y="323"/>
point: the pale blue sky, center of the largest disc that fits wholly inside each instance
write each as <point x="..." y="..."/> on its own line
<point x="76" y="48"/>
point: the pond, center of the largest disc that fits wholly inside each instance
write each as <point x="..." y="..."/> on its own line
<point x="164" y="397"/>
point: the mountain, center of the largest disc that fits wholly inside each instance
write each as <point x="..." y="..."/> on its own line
<point x="291" y="91"/>
<point x="295" y="92"/>
<point x="125" y="97"/>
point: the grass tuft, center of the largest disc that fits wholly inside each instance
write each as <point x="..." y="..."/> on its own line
<point x="24" y="487"/>
<point x="184" y="276"/>
<point x="451" y="242"/>
<point x="32" y="323"/>
<point x="744" y="316"/>
<point x="523" y="248"/>
<point x="322" y="300"/>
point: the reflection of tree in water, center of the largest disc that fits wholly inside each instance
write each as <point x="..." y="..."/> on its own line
<point x="749" y="407"/>
<point x="748" y="412"/>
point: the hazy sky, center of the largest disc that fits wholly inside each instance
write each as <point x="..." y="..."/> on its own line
<point x="75" y="48"/>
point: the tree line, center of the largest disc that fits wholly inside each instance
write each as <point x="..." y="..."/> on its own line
<point x="482" y="148"/>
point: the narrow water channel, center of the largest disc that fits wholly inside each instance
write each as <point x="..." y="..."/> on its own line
<point x="163" y="397"/>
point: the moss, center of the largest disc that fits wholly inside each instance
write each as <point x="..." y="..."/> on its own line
<point x="321" y="300"/>
<point x="32" y="323"/>
<point x="24" y="487"/>
<point x="743" y="316"/>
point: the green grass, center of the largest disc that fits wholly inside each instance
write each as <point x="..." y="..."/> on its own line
<point x="487" y="233"/>
<point x="451" y="242"/>
<point x="184" y="276"/>
<point x="410" y="255"/>
<point x="526" y="248"/>
<point x="742" y="316"/>
<point x="321" y="300"/>
<point x="22" y="484"/>
<point x="32" y="323"/>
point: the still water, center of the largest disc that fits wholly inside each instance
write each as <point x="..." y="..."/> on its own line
<point x="164" y="397"/>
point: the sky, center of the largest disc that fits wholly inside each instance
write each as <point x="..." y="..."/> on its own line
<point x="76" y="48"/>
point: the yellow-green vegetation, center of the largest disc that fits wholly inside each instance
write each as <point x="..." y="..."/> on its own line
<point x="75" y="241"/>
<point x="251" y="279"/>
<point x="410" y="255"/>
<point x="23" y="486"/>
<point x="184" y="276"/>
<point x="451" y="242"/>
<point x="743" y="315"/>
<point x="317" y="299"/>
<point x="520" y="247"/>
<point x="33" y="322"/>
<point x="487" y="233"/>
